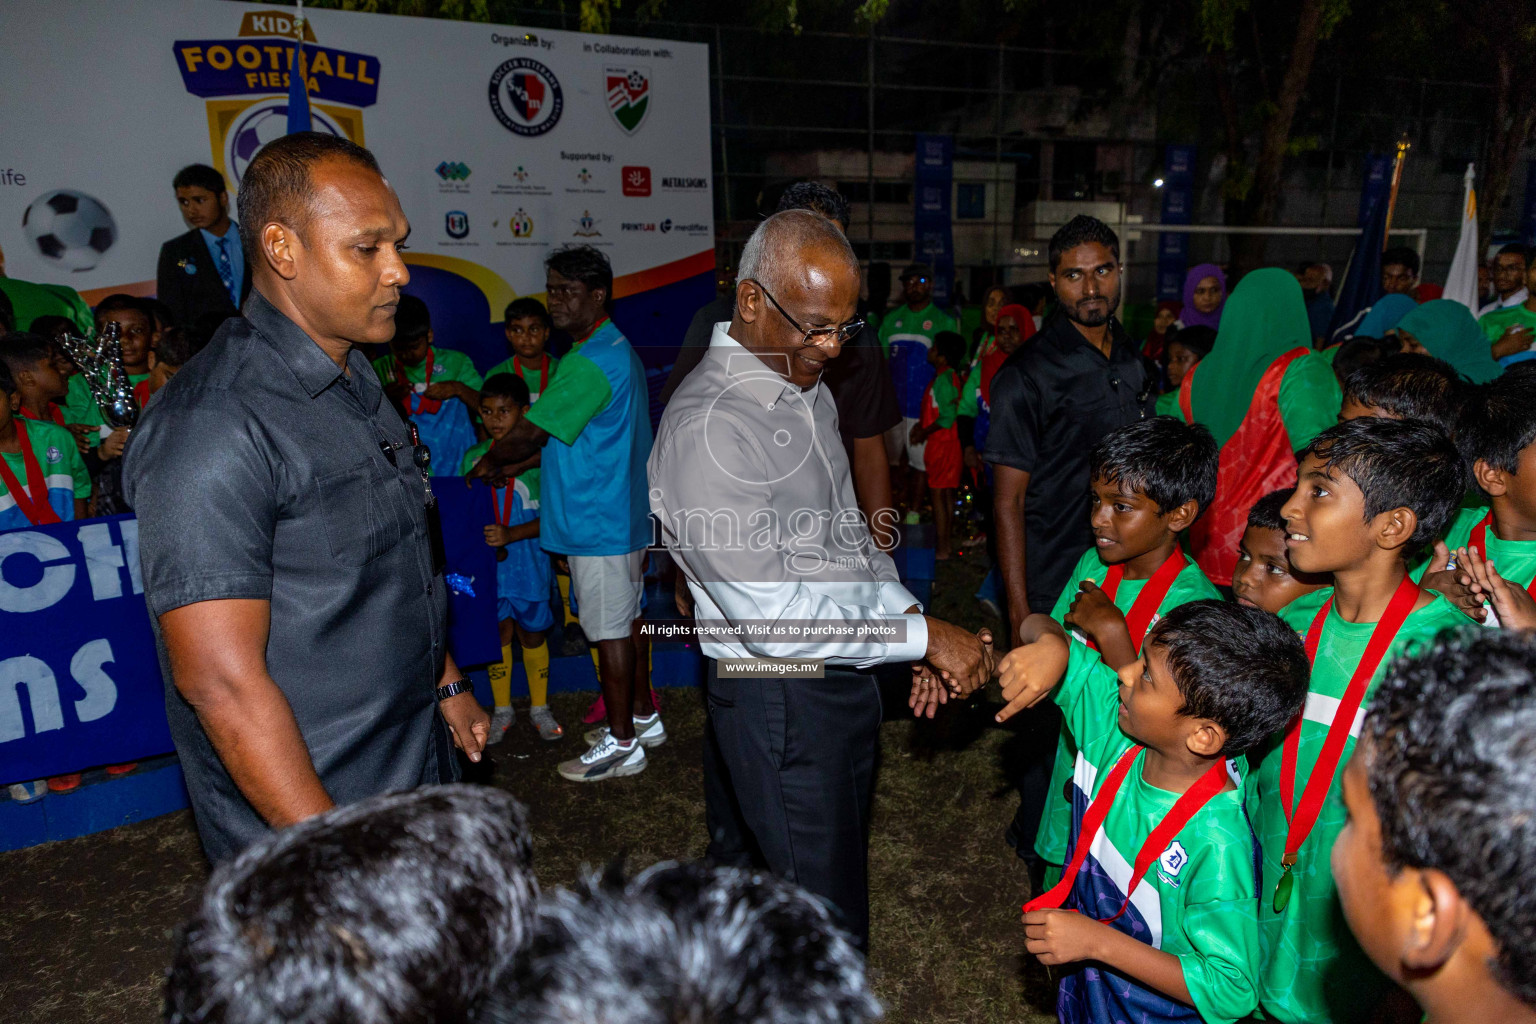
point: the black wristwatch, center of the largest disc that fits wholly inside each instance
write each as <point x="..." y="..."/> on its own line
<point x="453" y="689"/>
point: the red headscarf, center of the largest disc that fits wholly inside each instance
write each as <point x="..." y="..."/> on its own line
<point x="1152" y="348"/>
<point x="997" y="357"/>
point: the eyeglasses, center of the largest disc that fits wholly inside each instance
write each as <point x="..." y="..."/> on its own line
<point x="814" y="335"/>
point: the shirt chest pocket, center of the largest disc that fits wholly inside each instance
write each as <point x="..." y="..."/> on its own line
<point x="358" y="512"/>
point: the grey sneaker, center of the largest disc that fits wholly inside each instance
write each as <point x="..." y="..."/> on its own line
<point x="501" y="721"/>
<point x="607" y="759"/>
<point x="649" y="731"/>
<point x="544" y="720"/>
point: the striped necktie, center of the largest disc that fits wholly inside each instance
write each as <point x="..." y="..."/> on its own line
<point x="227" y="271"/>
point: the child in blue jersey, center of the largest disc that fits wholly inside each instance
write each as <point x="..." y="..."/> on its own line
<point x="1154" y="917"/>
<point x="43" y="480"/>
<point x="1150" y="482"/>
<point x="522" y="569"/>
<point x="436" y="388"/>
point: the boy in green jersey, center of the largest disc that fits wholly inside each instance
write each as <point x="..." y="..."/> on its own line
<point x="1371" y="493"/>
<point x="1264" y="577"/>
<point x="438" y="389"/>
<point x="527" y="326"/>
<point x="1155" y="920"/>
<point x="1437" y="864"/>
<point x="1151" y="480"/>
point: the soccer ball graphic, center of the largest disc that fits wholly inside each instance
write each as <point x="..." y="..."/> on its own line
<point x="69" y="228"/>
<point x="262" y="124"/>
<point x="636" y="81"/>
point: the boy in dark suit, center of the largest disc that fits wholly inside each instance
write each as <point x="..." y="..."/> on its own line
<point x="204" y="270"/>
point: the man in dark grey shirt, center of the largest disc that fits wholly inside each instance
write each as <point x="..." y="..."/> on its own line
<point x="283" y="530"/>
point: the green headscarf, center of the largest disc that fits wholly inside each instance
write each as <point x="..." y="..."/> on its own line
<point x="1264" y="318"/>
<point x="1448" y="330"/>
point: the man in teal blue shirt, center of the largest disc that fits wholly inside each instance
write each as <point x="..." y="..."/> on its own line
<point x="592" y="429"/>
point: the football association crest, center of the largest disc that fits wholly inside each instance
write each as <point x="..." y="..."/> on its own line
<point x="526" y="96"/>
<point x="521" y="224"/>
<point x="629" y="95"/>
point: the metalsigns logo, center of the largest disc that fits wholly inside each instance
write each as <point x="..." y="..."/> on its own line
<point x="629" y="95"/>
<point x="526" y="97"/>
<point x="521" y="224"/>
<point x="452" y="171"/>
<point x="684" y="184"/>
<point x="244" y="82"/>
<point x="456" y="223"/>
<point x="637" y="181"/>
<point x="586" y="226"/>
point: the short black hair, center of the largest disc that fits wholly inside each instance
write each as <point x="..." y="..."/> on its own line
<point x="51" y="325"/>
<point x="123" y="301"/>
<point x="1517" y="249"/>
<point x="686" y="942"/>
<point x="22" y="350"/>
<point x="413" y="320"/>
<point x="818" y="198"/>
<point x="1198" y="338"/>
<point x="1081" y="230"/>
<point x="585" y="264"/>
<point x="1413" y="386"/>
<point x="1240" y="667"/>
<point x="1166" y="459"/>
<point x="1501" y="421"/>
<point x="507" y="385"/>
<point x="1265" y="513"/>
<point x="277" y="184"/>
<point x="200" y="176"/>
<point x="164" y="315"/>
<point x="517" y="309"/>
<point x="7" y="382"/>
<point x="1354" y="353"/>
<point x="1397" y="464"/>
<point x="399" y="908"/>
<point x="1451" y="769"/>
<point x="1402" y="256"/>
<point x="7" y="313"/>
<point x="177" y="345"/>
<point x="951" y="346"/>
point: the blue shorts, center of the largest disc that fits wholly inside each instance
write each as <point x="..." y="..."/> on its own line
<point x="534" y="616"/>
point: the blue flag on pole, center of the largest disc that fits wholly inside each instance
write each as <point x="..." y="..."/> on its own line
<point x="1362" y="281"/>
<point x="298" y="91"/>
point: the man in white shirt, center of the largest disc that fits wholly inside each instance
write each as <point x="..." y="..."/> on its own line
<point x="1509" y="267"/>
<point x="751" y="485"/>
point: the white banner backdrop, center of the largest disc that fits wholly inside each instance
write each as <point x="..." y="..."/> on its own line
<point x="502" y="142"/>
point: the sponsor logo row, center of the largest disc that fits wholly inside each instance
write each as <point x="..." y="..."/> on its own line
<point x="520" y="225"/>
<point x="634" y="180"/>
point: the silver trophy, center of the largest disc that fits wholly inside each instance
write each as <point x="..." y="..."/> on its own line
<point x="101" y="361"/>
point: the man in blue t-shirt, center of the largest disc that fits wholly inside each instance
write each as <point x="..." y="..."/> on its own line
<point x="592" y="429"/>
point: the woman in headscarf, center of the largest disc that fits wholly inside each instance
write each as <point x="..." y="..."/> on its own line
<point x="1264" y="394"/>
<point x="1162" y="325"/>
<point x="1384" y="315"/>
<point x="1446" y="330"/>
<point x="1205" y="294"/>
<point x="978" y="338"/>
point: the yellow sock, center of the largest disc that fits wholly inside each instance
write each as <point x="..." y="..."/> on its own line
<point x="597" y="666"/>
<point x="564" y="583"/>
<point x="501" y="678"/>
<point x="536" y="664"/>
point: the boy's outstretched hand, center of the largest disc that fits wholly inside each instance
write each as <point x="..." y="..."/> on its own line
<point x="1029" y="672"/>
<point x="1513" y="605"/>
<point x="1455" y="584"/>
<point x="1095" y="614"/>
<point x="1063" y="936"/>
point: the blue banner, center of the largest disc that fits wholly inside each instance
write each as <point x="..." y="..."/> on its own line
<point x="1376" y="186"/>
<point x="80" y="682"/>
<point x="1178" y="207"/>
<point x="932" y="224"/>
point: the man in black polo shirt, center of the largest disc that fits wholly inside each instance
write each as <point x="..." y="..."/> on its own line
<point x="301" y="620"/>
<point x="1078" y="379"/>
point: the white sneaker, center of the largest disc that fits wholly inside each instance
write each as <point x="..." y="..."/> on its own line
<point x="608" y="759"/>
<point x="501" y="721"/>
<point x="649" y="731"/>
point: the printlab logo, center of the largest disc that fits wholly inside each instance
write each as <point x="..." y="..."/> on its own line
<point x="521" y="224"/>
<point x="525" y="96"/>
<point x="452" y="171"/>
<point x="637" y="181"/>
<point x="629" y="95"/>
<point x="456" y="224"/>
<point x="638" y="226"/>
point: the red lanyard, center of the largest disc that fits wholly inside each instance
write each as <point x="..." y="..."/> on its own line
<point x="503" y="509"/>
<point x="1185" y="808"/>
<point x="591" y="331"/>
<point x="1479" y="543"/>
<point x="415" y="403"/>
<point x="55" y="414"/>
<point x="1139" y="618"/>
<point x="1301" y="818"/>
<point x="517" y="364"/>
<point x="33" y="501"/>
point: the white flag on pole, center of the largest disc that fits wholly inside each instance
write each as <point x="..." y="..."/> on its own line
<point x="1461" y="282"/>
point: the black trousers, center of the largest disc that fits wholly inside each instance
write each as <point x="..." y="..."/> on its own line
<point x="799" y="756"/>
